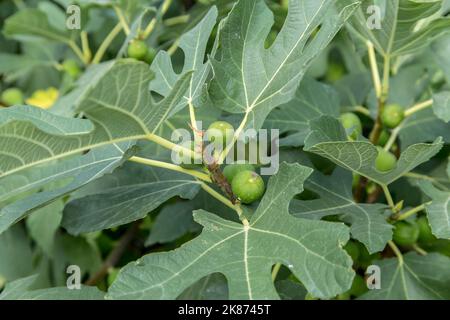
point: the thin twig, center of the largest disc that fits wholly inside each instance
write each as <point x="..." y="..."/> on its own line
<point x="374" y="67"/>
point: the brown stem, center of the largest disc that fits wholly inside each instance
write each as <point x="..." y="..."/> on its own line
<point x="359" y="192"/>
<point x="115" y="255"/>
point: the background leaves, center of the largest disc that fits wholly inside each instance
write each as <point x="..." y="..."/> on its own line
<point x="328" y="139"/>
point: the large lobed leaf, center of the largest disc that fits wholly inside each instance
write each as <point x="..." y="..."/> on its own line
<point x="252" y="80"/>
<point x="245" y="254"/>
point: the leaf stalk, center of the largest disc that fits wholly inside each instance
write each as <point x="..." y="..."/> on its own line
<point x="170" y="166"/>
<point x="411" y="212"/>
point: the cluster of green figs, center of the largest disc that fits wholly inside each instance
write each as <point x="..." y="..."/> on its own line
<point x="391" y="117"/>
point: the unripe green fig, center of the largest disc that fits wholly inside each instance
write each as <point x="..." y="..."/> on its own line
<point x="71" y="67"/>
<point x="12" y="96"/>
<point x="405" y="233"/>
<point x="248" y="186"/>
<point x="392" y="115"/>
<point x="385" y="160"/>
<point x="231" y="170"/>
<point x="220" y="133"/>
<point x="137" y="49"/>
<point x="351" y="122"/>
<point x="425" y="234"/>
